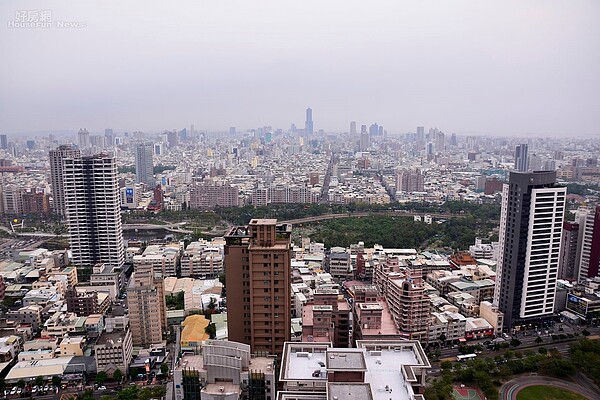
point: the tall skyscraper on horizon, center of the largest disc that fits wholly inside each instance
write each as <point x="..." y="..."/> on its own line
<point x="83" y="138"/>
<point x="308" y="127"/>
<point x="144" y="164"/>
<point x="93" y="210"/>
<point x="353" y="128"/>
<point x="257" y="265"/>
<point x="521" y="158"/>
<point x="109" y="137"/>
<point x="3" y="142"/>
<point x="531" y="225"/>
<point x="56" y="175"/>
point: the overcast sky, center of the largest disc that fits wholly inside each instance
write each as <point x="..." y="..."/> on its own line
<point x="495" y="67"/>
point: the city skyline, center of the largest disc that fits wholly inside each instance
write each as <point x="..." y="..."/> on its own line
<point x="245" y="65"/>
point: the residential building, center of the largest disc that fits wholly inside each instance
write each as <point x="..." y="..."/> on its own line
<point x="530" y="236"/>
<point x="147" y="308"/>
<point x="144" y="164"/>
<point x="114" y="351"/>
<point x="327" y="318"/>
<point x="56" y="175"/>
<point x="376" y="369"/>
<point x="521" y="158"/>
<point x="225" y="370"/>
<point x="202" y="259"/>
<point x="569" y="256"/>
<point x="589" y="244"/>
<point x="162" y="260"/>
<point x="93" y="210"/>
<point x="257" y="264"/>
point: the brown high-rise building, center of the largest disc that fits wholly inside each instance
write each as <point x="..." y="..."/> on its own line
<point x="257" y="265"/>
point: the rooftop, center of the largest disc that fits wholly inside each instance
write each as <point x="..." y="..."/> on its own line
<point x="193" y="329"/>
<point x="346" y="359"/>
<point x="349" y="391"/>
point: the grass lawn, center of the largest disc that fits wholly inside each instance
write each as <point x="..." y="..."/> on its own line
<point x="547" y="393"/>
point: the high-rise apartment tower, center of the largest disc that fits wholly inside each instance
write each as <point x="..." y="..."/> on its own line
<point x="257" y="264"/>
<point x="144" y="164"/>
<point x="56" y="175"/>
<point x="521" y="158"/>
<point x="93" y="210"/>
<point x="531" y="225"/>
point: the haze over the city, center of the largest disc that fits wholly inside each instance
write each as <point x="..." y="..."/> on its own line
<point x="502" y="67"/>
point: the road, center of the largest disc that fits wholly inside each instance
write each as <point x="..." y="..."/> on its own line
<point x="368" y="214"/>
<point x="176" y="228"/>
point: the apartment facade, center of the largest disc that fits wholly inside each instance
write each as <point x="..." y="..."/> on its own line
<point x="147" y="308"/>
<point x="56" y="175"/>
<point x="257" y="264"/>
<point x="93" y="210"/>
<point x="530" y="241"/>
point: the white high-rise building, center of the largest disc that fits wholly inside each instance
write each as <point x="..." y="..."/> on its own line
<point x="93" y="210"/>
<point x="531" y="225"/>
<point x="144" y="165"/>
<point x="83" y="138"/>
<point x="588" y="248"/>
<point x="56" y="175"/>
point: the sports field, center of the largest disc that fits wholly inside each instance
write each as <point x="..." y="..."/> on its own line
<point x="467" y="394"/>
<point x="541" y="392"/>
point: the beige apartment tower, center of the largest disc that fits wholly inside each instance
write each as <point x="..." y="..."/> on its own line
<point x="257" y="265"/>
<point x="147" y="308"/>
<point x="56" y="175"/>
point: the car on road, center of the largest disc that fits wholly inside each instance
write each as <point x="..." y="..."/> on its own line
<point x="102" y="387"/>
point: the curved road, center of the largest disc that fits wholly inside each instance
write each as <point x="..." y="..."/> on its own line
<point x="367" y="214"/>
<point x="585" y="388"/>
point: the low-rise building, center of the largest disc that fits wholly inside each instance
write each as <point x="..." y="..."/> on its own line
<point x="114" y="351"/>
<point x="224" y="371"/>
<point x="377" y="370"/>
<point x="203" y="259"/>
<point x="162" y="260"/>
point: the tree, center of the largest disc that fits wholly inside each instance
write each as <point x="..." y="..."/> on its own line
<point x="585" y="333"/>
<point x="56" y="381"/>
<point x="39" y="380"/>
<point x="21" y="384"/>
<point x="212" y="305"/>
<point x="87" y="395"/>
<point x="2" y="384"/>
<point x="211" y="329"/>
<point x="446" y="365"/>
<point x="543" y="350"/>
<point x="164" y="369"/>
<point x="130" y="393"/>
<point x="515" y="343"/>
<point x="442" y="338"/>
<point x="117" y="375"/>
<point x="222" y="278"/>
<point x="101" y="377"/>
<point x="539" y="340"/>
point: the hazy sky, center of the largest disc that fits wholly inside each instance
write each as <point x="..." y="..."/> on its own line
<point x="498" y="67"/>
